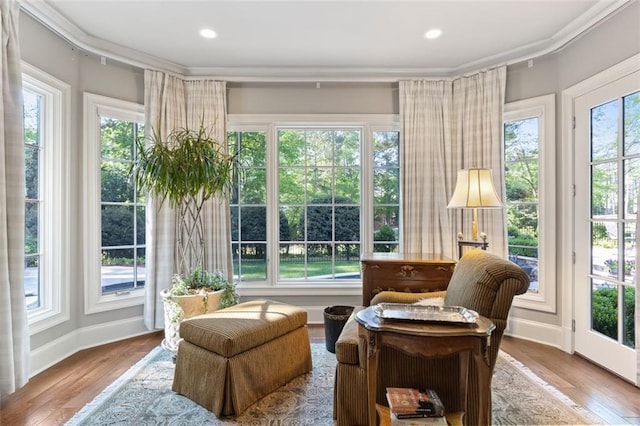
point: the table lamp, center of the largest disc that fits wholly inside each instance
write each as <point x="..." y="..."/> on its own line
<point x="474" y="189"/>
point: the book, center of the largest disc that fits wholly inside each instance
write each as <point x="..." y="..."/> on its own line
<point x="419" y="421"/>
<point x="407" y="403"/>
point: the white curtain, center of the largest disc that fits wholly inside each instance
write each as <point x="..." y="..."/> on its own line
<point x="172" y="103"/>
<point x="429" y="163"/>
<point x="14" y="350"/>
<point x="449" y="125"/>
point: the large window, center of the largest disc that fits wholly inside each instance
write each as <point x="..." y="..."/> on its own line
<point x="46" y="107"/>
<point x="116" y="211"/>
<point x="529" y="180"/>
<point x="312" y="198"/>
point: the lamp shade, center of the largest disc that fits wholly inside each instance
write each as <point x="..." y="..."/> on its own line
<point x="474" y="189"/>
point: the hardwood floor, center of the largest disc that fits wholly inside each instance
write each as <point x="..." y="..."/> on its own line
<point x="53" y="396"/>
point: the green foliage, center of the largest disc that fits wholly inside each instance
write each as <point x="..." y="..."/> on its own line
<point x="188" y="165"/>
<point x="605" y="313"/>
<point x="321" y="221"/>
<point x="200" y="281"/>
<point x="385" y="233"/>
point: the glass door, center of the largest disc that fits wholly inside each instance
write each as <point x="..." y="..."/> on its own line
<point x="607" y="167"/>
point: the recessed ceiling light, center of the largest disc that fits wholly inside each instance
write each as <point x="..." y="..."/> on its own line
<point x="434" y="33"/>
<point x="207" y="33"/>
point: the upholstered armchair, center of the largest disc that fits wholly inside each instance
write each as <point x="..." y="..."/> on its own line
<point x="481" y="281"/>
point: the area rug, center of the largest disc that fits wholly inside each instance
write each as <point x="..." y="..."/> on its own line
<point x="143" y="396"/>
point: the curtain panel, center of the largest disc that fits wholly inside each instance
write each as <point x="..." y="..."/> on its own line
<point x="15" y="347"/>
<point x="173" y="103"/>
<point x="448" y="125"/>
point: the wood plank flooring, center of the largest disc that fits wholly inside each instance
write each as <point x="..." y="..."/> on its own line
<point x="53" y="396"/>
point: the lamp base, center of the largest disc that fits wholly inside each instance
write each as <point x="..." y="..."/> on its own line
<point x="468" y="243"/>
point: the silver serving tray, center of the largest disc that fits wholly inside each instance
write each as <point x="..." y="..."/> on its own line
<point x="402" y="311"/>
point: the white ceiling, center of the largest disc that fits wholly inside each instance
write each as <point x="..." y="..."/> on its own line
<point x="320" y="38"/>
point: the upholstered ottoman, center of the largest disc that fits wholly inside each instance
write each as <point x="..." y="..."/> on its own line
<point x="232" y="357"/>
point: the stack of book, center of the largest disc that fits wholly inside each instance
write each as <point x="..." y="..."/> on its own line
<point x="410" y="406"/>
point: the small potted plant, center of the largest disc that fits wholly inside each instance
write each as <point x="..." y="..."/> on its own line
<point x="199" y="292"/>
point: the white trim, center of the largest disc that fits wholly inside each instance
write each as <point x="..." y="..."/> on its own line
<point x="565" y="259"/>
<point x="543" y="108"/>
<point x="535" y="331"/>
<point x="94" y="106"/>
<point x="54" y="188"/>
<point x="82" y="338"/>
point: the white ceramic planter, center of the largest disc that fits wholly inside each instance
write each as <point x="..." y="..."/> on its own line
<point x="178" y="308"/>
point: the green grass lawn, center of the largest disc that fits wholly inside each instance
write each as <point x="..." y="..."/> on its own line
<point x="256" y="270"/>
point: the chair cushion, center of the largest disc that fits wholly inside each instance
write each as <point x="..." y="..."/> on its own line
<point x="233" y="330"/>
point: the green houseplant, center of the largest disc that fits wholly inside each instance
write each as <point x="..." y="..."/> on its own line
<point x="187" y="169"/>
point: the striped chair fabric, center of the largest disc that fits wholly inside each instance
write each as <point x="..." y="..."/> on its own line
<point x="482" y="282"/>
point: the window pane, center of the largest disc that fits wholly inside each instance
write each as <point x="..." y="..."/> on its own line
<point x="632" y="124"/>
<point x="631" y="189"/>
<point x="604" y="131"/>
<point x="348" y="184"/>
<point x="32" y="114"/>
<point x="32" y="228"/>
<point x="32" y="170"/>
<point x="118" y="270"/>
<point x="385" y="149"/>
<point x="386" y="186"/>
<point x="248" y="207"/>
<point x="254" y="224"/>
<point x="117" y="139"/>
<point x="291" y="188"/>
<point x="604" y="300"/>
<point x="522" y="143"/>
<point x="117" y="226"/>
<point x="253" y="187"/>
<point x="604" y="195"/>
<point x="347" y="224"/>
<point x="116" y="184"/>
<point x="628" y="321"/>
<point x="32" y="281"/>
<point x="318" y="184"/>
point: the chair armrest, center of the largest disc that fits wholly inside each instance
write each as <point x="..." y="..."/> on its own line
<point x="403" y="297"/>
<point x="350" y="348"/>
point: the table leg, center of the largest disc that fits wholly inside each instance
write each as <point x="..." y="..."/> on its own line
<point x="372" y="377"/>
<point x="484" y="387"/>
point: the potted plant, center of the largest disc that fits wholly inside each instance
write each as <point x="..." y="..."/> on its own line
<point x="196" y="293"/>
<point x="187" y="169"/>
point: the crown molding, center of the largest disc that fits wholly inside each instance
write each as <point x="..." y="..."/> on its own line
<point x="52" y="19"/>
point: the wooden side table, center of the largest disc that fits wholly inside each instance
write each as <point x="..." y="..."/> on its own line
<point x="430" y="340"/>
<point x="408" y="272"/>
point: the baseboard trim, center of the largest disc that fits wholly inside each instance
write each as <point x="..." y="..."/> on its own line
<point x="315" y="314"/>
<point x="538" y="332"/>
<point x="63" y="347"/>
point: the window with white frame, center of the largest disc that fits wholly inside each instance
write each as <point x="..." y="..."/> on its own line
<point x="46" y="110"/>
<point x="115" y="217"/>
<point x="529" y="144"/>
<point x="315" y="193"/>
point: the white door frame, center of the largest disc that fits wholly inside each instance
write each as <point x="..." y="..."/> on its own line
<point x="569" y="95"/>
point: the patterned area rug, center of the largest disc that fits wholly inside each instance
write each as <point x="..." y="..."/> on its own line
<point x="143" y="396"/>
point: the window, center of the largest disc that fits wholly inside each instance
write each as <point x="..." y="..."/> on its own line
<point x="46" y="109"/>
<point x="307" y="205"/>
<point x="115" y="219"/>
<point x="530" y="192"/>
